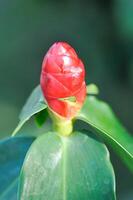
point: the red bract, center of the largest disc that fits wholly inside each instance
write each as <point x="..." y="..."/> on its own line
<point x="62" y="76"/>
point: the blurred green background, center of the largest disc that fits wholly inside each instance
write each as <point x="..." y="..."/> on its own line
<point x="102" y="33"/>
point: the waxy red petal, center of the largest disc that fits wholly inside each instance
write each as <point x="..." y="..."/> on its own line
<point x="66" y="109"/>
<point x="52" y="87"/>
<point x="63" y="76"/>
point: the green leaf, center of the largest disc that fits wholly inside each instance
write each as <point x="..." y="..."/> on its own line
<point x="102" y="120"/>
<point x="12" y="153"/>
<point x="41" y="117"/>
<point x="92" y="89"/>
<point x="67" y="168"/>
<point x="34" y="104"/>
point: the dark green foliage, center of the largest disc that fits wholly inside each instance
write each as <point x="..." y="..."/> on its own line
<point x="12" y="154"/>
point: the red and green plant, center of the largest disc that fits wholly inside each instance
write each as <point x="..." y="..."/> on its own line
<point x="68" y="162"/>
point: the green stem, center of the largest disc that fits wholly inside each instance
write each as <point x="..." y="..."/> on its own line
<point x="61" y="125"/>
<point x="64" y="127"/>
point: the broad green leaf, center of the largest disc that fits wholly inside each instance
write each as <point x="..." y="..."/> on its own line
<point x="12" y="153"/>
<point x="67" y="168"/>
<point x="34" y="104"/>
<point x="102" y="120"/>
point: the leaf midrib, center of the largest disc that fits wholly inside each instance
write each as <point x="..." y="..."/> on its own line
<point x="64" y="167"/>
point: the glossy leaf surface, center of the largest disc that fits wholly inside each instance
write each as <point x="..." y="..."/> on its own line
<point x="34" y="104"/>
<point x="67" y="168"/>
<point x="12" y="153"/>
<point x="102" y="120"/>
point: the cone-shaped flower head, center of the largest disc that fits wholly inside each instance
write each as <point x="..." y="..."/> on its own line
<point x="62" y="79"/>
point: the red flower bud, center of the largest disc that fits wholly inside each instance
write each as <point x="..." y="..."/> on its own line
<point x="62" y="76"/>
